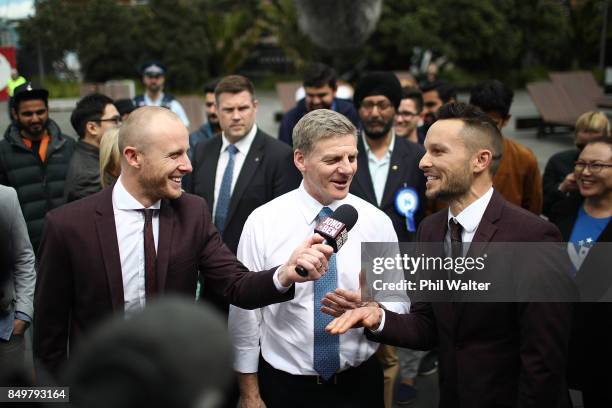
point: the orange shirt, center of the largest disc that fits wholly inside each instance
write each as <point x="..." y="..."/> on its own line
<point x="44" y="145"/>
<point x="518" y="177"/>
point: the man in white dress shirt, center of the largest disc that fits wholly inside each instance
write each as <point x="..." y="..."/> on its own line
<point x="299" y="366"/>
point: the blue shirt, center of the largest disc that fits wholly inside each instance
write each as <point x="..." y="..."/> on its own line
<point x="587" y="230"/>
<point x="6" y="324"/>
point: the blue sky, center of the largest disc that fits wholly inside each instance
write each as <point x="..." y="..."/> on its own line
<point x="16" y="8"/>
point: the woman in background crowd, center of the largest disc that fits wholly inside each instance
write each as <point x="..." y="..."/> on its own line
<point x="584" y="221"/>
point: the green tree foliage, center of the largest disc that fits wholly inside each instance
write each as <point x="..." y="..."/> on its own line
<point x="200" y="39"/>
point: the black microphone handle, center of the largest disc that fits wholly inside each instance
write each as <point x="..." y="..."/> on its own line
<point x="303" y="272"/>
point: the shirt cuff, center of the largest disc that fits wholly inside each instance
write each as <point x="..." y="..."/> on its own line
<point x="23" y="316"/>
<point x="246" y="361"/>
<point x="381" y="325"/>
<point x="279" y="286"/>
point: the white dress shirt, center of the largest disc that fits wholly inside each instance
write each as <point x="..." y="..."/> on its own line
<point x="175" y="106"/>
<point x="243" y="146"/>
<point x="129" y="223"/>
<point x="469" y="219"/>
<point x="285" y="330"/>
<point x="379" y="168"/>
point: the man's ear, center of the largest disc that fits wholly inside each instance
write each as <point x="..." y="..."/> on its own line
<point x="483" y="160"/>
<point x="299" y="160"/>
<point x="132" y="156"/>
<point x="91" y="127"/>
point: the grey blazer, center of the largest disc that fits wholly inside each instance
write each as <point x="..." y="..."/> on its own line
<point x="18" y="273"/>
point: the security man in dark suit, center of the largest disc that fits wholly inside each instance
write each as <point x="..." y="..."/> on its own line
<point x="241" y="170"/>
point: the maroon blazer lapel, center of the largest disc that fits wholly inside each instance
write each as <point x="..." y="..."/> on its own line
<point x="486" y="229"/>
<point x="484" y="233"/>
<point x="166" y="227"/>
<point x="107" y="234"/>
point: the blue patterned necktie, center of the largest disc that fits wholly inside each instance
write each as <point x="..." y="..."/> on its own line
<point x="225" y="192"/>
<point x="326" y="347"/>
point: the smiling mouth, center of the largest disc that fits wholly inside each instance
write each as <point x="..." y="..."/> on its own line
<point x="431" y="179"/>
<point x="340" y="184"/>
<point x="176" y="179"/>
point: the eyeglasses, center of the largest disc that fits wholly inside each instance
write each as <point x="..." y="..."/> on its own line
<point x="579" y="166"/>
<point x="407" y="114"/>
<point x="116" y="119"/>
<point x="381" y="105"/>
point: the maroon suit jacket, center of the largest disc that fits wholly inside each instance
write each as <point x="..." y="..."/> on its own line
<point x="79" y="270"/>
<point x="490" y="354"/>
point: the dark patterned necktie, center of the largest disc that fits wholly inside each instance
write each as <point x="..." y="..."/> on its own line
<point x="150" y="255"/>
<point x="455" y="234"/>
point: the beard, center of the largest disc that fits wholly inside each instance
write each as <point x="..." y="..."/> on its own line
<point x="457" y="186"/>
<point x="310" y="107"/>
<point x="377" y="134"/>
<point x="31" y="129"/>
<point x="154" y="88"/>
<point x="429" y="119"/>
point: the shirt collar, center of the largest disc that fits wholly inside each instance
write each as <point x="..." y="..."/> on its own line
<point x="470" y="217"/>
<point x="123" y="200"/>
<point x="310" y="207"/>
<point x="149" y="101"/>
<point x="244" y="144"/>
<point x="367" y="146"/>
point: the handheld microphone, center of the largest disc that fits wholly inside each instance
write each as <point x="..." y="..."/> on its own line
<point x="334" y="229"/>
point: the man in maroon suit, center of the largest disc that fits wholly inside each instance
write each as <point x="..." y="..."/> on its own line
<point x="116" y="249"/>
<point x="493" y="354"/>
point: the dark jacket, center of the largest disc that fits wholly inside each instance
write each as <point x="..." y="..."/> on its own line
<point x="291" y="118"/>
<point x="403" y="172"/>
<point x="592" y="327"/>
<point x="268" y="172"/>
<point x="202" y="134"/>
<point x="80" y="282"/>
<point x="490" y="354"/>
<point x="83" y="176"/>
<point x="40" y="186"/>
<point x="559" y="165"/>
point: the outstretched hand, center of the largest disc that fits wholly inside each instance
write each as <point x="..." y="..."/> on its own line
<point x="368" y="317"/>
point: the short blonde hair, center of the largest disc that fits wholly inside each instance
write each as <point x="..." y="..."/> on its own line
<point x="320" y="124"/>
<point x="110" y="157"/>
<point x="593" y="121"/>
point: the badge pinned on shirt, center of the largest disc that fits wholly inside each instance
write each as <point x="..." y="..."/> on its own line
<point x="407" y="204"/>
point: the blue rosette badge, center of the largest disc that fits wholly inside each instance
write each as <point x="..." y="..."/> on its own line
<point x="406" y="204"/>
